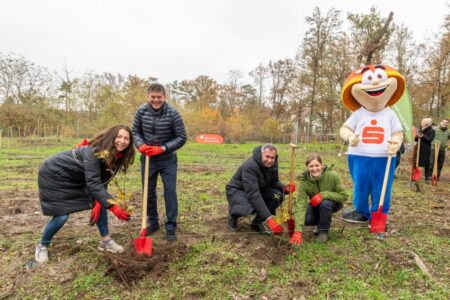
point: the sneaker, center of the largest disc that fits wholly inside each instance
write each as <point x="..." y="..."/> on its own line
<point x="152" y="229"/>
<point x="322" y="237"/>
<point x="171" y="236"/>
<point x="316" y="231"/>
<point x="354" y="217"/>
<point x="232" y="222"/>
<point x="110" y="246"/>
<point x="261" y="228"/>
<point x="41" y="254"/>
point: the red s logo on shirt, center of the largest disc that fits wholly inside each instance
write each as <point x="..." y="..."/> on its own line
<point x="373" y="134"/>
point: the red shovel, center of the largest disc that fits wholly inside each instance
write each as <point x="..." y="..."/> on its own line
<point x="143" y="244"/>
<point x="434" y="177"/>
<point x="378" y="220"/>
<point x="415" y="176"/>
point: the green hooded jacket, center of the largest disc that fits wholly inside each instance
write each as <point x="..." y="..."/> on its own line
<point x="328" y="185"/>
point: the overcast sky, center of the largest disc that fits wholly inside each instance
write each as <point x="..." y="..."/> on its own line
<point x="180" y="39"/>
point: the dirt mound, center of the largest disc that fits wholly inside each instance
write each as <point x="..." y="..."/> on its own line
<point x="128" y="268"/>
<point x="261" y="247"/>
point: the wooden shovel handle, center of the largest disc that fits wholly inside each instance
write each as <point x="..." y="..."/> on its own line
<point x="386" y="175"/>
<point x="291" y="176"/>
<point x="436" y="155"/>
<point x="417" y="153"/>
<point x="145" y="197"/>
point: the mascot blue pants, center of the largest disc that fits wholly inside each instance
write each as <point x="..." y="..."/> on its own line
<point x="368" y="174"/>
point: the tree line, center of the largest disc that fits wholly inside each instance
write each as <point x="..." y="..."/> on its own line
<point x="303" y="90"/>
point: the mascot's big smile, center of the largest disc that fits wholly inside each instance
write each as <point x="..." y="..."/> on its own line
<point x="376" y="92"/>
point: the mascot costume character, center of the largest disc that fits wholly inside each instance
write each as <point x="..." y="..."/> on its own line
<point x="373" y="132"/>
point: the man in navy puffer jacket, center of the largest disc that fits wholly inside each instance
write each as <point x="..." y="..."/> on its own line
<point x="158" y="131"/>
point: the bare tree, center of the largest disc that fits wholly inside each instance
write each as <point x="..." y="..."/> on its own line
<point x="370" y="35"/>
<point x="281" y="75"/>
<point x="260" y="75"/>
<point x="314" y="51"/>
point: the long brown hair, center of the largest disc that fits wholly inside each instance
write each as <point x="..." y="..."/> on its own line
<point x="103" y="146"/>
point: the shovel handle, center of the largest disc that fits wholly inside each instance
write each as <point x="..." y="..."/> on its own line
<point x="291" y="176"/>
<point x="436" y="156"/>
<point x="417" y="153"/>
<point x="386" y="175"/>
<point x="434" y="178"/>
<point x="145" y="197"/>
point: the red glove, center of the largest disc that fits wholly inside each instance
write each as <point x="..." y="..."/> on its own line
<point x="84" y="142"/>
<point x="143" y="148"/>
<point x="296" y="238"/>
<point x="150" y="150"/>
<point x="154" y="150"/>
<point x="274" y="226"/>
<point x="289" y="188"/>
<point x="316" y="200"/>
<point x="120" y="213"/>
<point x="95" y="213"/>
<point x="291" y="226"/>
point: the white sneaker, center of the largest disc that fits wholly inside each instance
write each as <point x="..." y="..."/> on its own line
<point x="41" y="254"/>
<point x="110" y="246"/>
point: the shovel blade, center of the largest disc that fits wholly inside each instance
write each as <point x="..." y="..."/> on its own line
<point x="143" y="245"/>
<point x="378" y="221"/>
<point x="415" y="175"/>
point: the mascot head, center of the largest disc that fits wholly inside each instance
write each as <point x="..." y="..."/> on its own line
<point x="374" y="87"/>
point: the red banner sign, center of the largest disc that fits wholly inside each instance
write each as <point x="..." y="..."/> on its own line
<point x="208" y="138"/>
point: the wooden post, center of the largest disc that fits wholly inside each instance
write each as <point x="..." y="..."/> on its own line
<point x="1" y="138"/>
<point x="291" y="177"/>
<point x="10" y="132"/>
<point x="45" y="137"/>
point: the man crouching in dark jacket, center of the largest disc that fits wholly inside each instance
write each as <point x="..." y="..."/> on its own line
<point x="255" y="188"/>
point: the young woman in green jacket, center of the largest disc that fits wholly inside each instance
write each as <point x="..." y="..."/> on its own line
<point x="320" y="194"/>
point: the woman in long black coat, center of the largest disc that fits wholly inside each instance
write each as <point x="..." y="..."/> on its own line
<point x="426" y="135"/>
<point x="77" y="179"/>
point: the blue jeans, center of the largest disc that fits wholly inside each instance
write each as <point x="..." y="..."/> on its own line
<point x="368" y="174"/>
<point x="168" y="170"/>
<point x="55" y="224"/>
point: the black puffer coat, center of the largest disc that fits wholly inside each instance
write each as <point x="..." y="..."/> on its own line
<point x="163" y="127"/>
<point x="425" y="146"/>
<point x="253" y="178"/>
<point x="70" y="180"/>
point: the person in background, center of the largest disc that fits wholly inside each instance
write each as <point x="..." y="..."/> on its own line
<point x="77" y="180"/>
<point x="442" y="135"/>
<point x="320" y="194"/>
<point x="426" y="135"/>
<point x="159" y="131"/>
<point x="398" y="156"/>
<point x="256" y="188"/>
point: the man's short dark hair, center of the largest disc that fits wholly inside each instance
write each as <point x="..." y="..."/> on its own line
<point x="156" y="87"/>
<point x="268" y="146"/>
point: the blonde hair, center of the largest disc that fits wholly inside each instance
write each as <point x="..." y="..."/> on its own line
<point x="427" y="121"/>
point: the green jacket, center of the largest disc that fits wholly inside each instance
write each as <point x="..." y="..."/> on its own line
<point x="441" y="137"/>
<point x="328" y="185"/>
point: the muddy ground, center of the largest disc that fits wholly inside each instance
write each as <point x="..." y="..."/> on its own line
<point x="22" y="223"/>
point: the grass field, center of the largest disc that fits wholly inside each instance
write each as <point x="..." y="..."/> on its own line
<point x="209" y="261"/>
